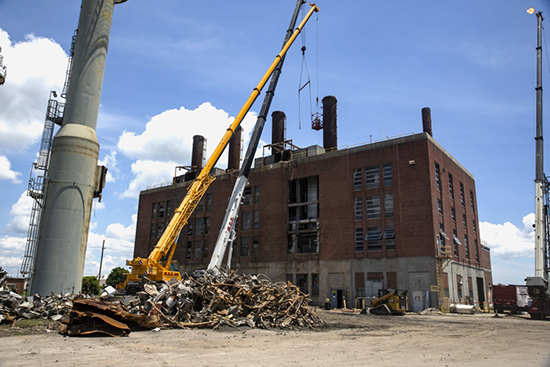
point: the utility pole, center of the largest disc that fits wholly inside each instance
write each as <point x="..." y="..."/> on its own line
<point x="101" y="261"/>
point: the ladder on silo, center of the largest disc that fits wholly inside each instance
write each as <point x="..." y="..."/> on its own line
<point x="39" y="170"/>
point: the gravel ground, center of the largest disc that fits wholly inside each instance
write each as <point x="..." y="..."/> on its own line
<point x="348" y="339"/>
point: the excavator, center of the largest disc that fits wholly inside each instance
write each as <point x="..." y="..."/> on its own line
<point x="157" y="266"/>
<point x="389" y="302"/>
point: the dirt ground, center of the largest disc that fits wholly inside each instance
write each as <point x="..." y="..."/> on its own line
<point x="348" y="339"/>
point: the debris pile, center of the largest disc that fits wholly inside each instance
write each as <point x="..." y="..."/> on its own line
<point x="209" y="301"/>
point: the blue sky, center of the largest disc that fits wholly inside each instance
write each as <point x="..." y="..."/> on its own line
<point x="178" y="68"/>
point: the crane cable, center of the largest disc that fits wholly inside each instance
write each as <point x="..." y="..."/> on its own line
<point x="308" y="80"/>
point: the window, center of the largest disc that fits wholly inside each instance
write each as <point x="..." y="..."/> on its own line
<point x="303" y="211"/>
<point x="453" y="214"/>
<point x="245" y="221"/>
<point x="208" y="201"/>
<point x="372" y="177"/>
<point x="169" y="209"/>
<point x="188" y="250"/>
<point x="456" y="242"/>
<point x="160" y="229"/>
<point x="256" y="219"/>
<point x="374" y="238"/>
<point x="256" y="194"/>
<point x="153" y="230"/>
<point x="359" y="245"/>
<point x="255" y="246"/>
<point x="388" y="205"/>
<point x="205" y="251"/>
<point x="472" y="201"/>
<point x="474" y="225"/>
<point x="301" y="283"/>
<point x="190" y="227"/>
<point x="437" y="181"/>
<point x="200" y="206"/>
<point x="466" y="248"/>
<point x="439" y="206"/>
<point x="451" y="190"/>
<point x="206" y="225"/>
<point x="476" y="250"/>
<point x="154" y="210"/>
<point x="314" y="284"/>
<point x="246" y="196"/>
<point x="373" y="206"/>
<point x="199" y="228"/>
<point x="197" y="251"/>
<point x="161" y="209"/>
<point x="358" y="209"/>
<point x="387" y="174"/>
<point x="462" y="194"/>
<point x="464" y="220"/>
<point x="245" y="246"/>
<point x="389" y="236"/>
<point x="441" y="239"/>
<point x="357" y="179"/>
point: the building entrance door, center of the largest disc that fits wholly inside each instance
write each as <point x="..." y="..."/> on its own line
<point x="337" y="298"/>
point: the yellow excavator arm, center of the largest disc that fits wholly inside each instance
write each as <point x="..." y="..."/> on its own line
<point x="152" y="267"/>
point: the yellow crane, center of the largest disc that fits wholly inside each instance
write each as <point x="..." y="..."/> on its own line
<point x="156" y="266"/>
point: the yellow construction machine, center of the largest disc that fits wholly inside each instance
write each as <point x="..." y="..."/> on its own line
<point x="157" y="266"/>
<point x="389" y="302"/>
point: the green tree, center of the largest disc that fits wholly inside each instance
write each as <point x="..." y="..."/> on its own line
<point x="117" y="275"/>
<point x="90" y="285"/>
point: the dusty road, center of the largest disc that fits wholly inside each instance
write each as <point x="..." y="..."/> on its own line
<point x="347" y="340"/>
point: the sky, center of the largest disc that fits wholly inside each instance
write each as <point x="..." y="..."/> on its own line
<point x="178" y="68"/>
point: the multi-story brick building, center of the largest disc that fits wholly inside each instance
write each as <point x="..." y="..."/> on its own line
<point x="342" y="223"/>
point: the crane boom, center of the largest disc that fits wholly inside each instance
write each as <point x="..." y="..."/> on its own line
<point x="227" y="228"/>
<point x="152" y="266"/>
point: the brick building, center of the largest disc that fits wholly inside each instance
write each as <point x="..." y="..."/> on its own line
<point x="341" y="223"/>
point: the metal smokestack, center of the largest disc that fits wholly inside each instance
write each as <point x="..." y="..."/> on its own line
<point x="427" y="120"/>
<point x="197" y="155"/>
<point x="330" y="139"/>
<point x="61" y="248"/>
<point x="234" y="159"/>
<point x="278" y="127"/>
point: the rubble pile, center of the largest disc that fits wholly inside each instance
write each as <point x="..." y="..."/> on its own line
<point x="209" y="302"/>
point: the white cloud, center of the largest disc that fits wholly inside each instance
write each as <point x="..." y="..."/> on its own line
<point x="36" y="66"/>
<point x="20" y="213"/>
<point x="148" y="173"/>
<point x="168" y="139"/>
<point x="12" y="250"/>
<point x="110" y="162"/>
<point x="5" y="171"/>
<point x="507" y="240"/>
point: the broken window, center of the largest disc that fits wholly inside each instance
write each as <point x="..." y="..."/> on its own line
<point x="451" y="189"/>
<point x="160" y="229"/>
<point x="453" y="214"/>
<point x="255" y="246"/>
<point x="245" y="221"/>
<point x="153" y="230"/>
<point x="206" y="225"/>
<point x="372" y="177"/>
<point x="388" y="205"/>
<point x="161" y="209"/>
<point x="387" y="174"/>
<point x="245" y="246"/>
<point x="303" y="213"/>
<point x="374" y="238"/>
<point x="456" y="242"/>
<point x="359" y="244"/>
<point x="190" y="227"/>
<point x="169" y="209"/>
<point x="358" y="208"/>
<point x="389" y="236"/>
<point x="462" y="194"/>
<point x="197" y="252"/>
<point x="373" y="206"/>
<point x="464" y="222"/>
<point x="357" y="179"/>
<point x="439" y="206"/>
<point x="188" y="250"/>
<point x="246" y="196"/>
<point x="199" y="228"/>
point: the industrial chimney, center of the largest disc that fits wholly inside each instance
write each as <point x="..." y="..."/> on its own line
<point x="197" y="156"/>
<point x="278" y="130"/>
<point x="427" y="120"/>
<point x="330" y="139"/>
<point x="234" y="153"/>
